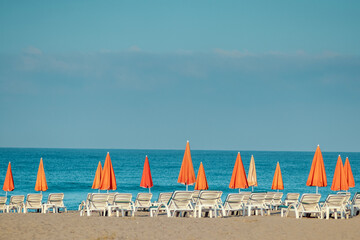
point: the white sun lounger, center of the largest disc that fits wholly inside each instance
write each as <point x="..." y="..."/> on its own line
<point x="143" y="201"/>
<point x="309" y="204"/>
<point x="355" y="204"/>
<point x="256" y="202"/>
<point x="122" y="203"/>
<point x="209" y="201"/>
<point x="179" y="204"/>
<point x="334" y="204"/>
<point x="3" y="206"/>
<point x="16" y="203"/>
<point x="276" y="202"/>
<point x="98" y="202"/>
<point x="56" y="202"/>
<point x="291" y="198"/>
<point x="33" y="201"/>
<point x="233" y="203"/>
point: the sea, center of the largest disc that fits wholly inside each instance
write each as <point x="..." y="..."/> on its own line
<point x="72" y="171"/>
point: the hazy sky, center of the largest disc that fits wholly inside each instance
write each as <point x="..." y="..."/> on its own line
<point x="239" y="75"/>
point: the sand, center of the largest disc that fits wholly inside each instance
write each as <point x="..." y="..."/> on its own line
<point x="72" y="226"/>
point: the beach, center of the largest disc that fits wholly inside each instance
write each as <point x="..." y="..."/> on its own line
<point x="71" y="226"/>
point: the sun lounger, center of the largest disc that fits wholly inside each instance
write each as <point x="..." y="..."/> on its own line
<point x="111" y="198"/>
<point x="122" y="202"/>
<point x="334" y="204"/>
<point x="309" y="204"/>
<point x="16" y="203"/>
<point x="195" y="196"/>
<point x="233" y="203"/>
<point x="291" y="198"/>
<point x="3" y="206"/>
<point x="98" y="202"/>
<point x="256" y="202"/>
<point x="163" y="198"/>
<point x="209" y="201"/>
<point x="276" y="202"/>
<point x="83" y="204"/>
<point x="269" y="197"/>
<point x="179" y="204"/>
<point x="355" y="204"/>
<point x="143" y="201"/>
<point x="33" y="201"/>
<point x="56" y="202"/>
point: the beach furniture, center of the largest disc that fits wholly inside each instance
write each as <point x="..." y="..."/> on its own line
<point x="111" y="197"/>
<point x="163" y="198"/>
<point x="83" y="204"/>
<point x="276" y="202"/>
<point x="56" y="202"/>
<point x="269" y="197"/>
<point x="143" y="201"/>
<point x="233" y="203"/>
<point x="334" y="204"/>
<point x="16" y="203"/>
<point x="3" y="206"/>
<point x="291" y="198"/>
<point x="256" y="202"/>
<point x="209" y="202"/>
<point x="179" y="204"/>
<point x="309" y="204"/>
<point x="33" y="201"/>
<point x="122" y="202"/>
<point x="98" y="202"/>
<point x="195" y="196"/>
<point x="355" y="204"/>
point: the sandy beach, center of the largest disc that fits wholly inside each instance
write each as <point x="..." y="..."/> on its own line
<point x="72" y="226"/>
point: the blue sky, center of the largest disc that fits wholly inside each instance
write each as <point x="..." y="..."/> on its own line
<point x="233" y="75"/>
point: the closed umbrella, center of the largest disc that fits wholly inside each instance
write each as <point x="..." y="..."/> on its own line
<point x="252" y="180"/>
<point x="349" y="174"/>
<point x="317" y="175"/>
<point x="108" y="180"/>
<point x="9" y="181"/>
<point x="201" y="182"/>
<point x="41" y="184"/>
<point x="277" y="183"/>
<point x="339" y="181"/>
<point x="97" y="178"/>
<point x="146" y="179"/>
<point x="238" y="177"/>
<point x="187" y="174"/>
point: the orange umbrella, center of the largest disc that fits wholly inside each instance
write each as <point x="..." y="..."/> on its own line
<point x="201" y="182"/>
<point x="97" y="178"/>
<point x="339" y="181"/>
<point x="146" y="179"/>
<point x="348" y="173"/>
<point x="9" y="181"/>
<point x="108" y="181"/>
<point x="317" y="175"/>
<point x="238" y="178"/>
<point x="252" y="179"/>
<point x="41" y="184"/>
<point x="187" y="174"/>
<point x="277" y="183"/>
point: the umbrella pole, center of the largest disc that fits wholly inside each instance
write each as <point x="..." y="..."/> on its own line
<point x="317" y="190"/>
<point x="5" y="193"/>
<point x="239" y="190"/>
<point x="186" y="187"/>
<point x="149" y="190"/>
<point x="99" y="190"/>
<point x="252" y="188"/>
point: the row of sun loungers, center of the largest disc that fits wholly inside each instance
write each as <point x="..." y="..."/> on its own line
<point x="33" y="202"/>
<point x="209" y="203"/>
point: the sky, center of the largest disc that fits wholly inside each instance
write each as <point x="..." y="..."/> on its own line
<point x="225" y="75"/>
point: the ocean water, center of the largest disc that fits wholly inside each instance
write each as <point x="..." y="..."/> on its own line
<point x="72" y="171"/>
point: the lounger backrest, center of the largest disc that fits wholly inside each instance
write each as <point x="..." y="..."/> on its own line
<point x="356" y="199"/>
<point x="3" y="201"/>
<point x="123" y="200"/>
<point x="292" y="198"/>
<point x="234" y="200"/>
<point x="17" y="200"/>
<point x="246" y="196"/>
<point x="278" y="196"/>
<point x="181" y="199"/>
<point x="269" y="197"/>
<point x="310" y="201"/>
<point x="164" y="197"/>
<point x="56" y="199"/>
<point x="195" y="195"/>
<point x="33" y="201"/>
<point x="143" y="199"/>
<point x="209" y="197"/>
<point x="335" y="199"/>
<point x="98" y="200"/>
<point x="257" y="198"/>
